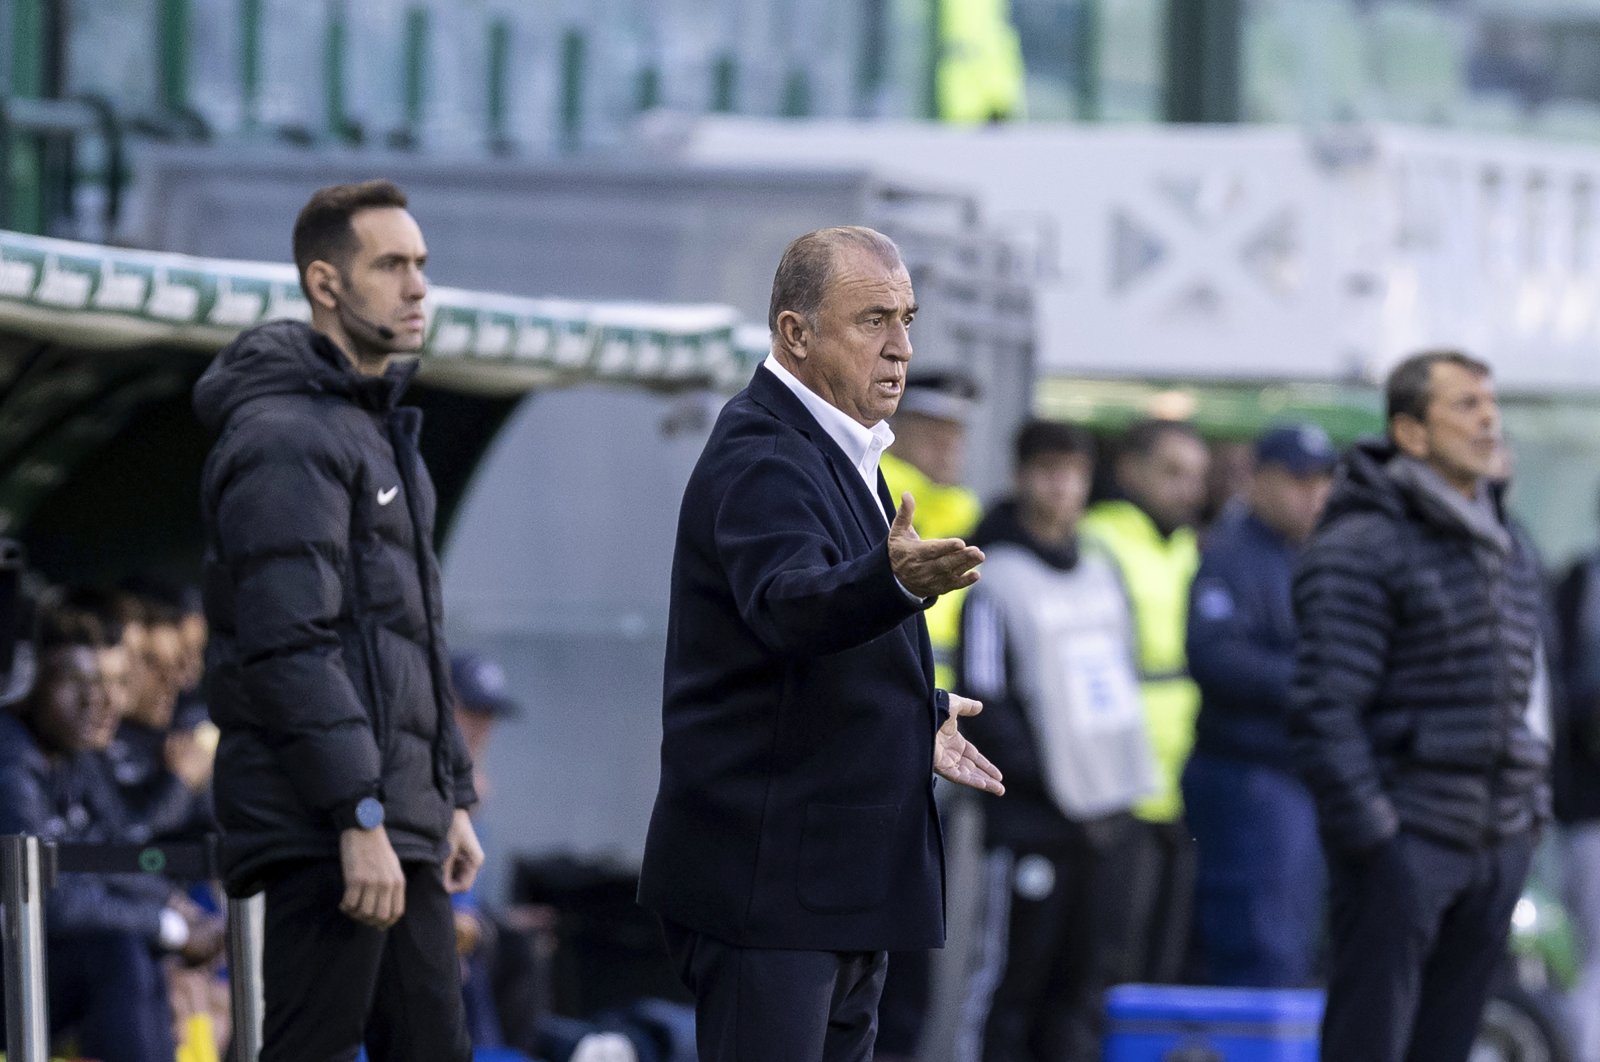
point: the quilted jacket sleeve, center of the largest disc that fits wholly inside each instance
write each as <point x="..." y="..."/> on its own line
<point x="1344" y="608"/>
<point x="283" y="508"/>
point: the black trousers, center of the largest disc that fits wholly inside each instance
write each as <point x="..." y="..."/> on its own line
<point x="332" y="983"/>
<point x="772" y="1005"/>
<point x="903" y="1009"/>
<point x="1058" y="929"/>
<point x="1418" y="930"/>
<point x="1161" y="889"/>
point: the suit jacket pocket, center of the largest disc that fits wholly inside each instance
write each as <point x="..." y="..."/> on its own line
<point x="846" y="854"/>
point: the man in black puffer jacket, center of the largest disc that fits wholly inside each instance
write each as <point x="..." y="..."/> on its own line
<point x="341" y="781"/>
<point x="1419" y="616"/>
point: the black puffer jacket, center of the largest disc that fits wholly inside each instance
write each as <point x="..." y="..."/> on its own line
<point x="1417" y="651"/>
<point x="327" y="670"/>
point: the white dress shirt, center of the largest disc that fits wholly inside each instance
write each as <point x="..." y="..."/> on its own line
<point x="861" y="444"/>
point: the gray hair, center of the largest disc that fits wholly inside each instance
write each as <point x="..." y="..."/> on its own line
<point x="807" y="266"/>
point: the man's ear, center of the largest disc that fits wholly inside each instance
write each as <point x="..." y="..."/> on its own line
<point x="794" y="334"/>
<point x="1410" y="435"/>
<point x="322" y="284"/>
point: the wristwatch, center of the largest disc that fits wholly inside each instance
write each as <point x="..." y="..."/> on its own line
<point x="364" y="814"/>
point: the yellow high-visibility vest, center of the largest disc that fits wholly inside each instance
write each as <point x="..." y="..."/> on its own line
<point x="980" y="74"/>
<point x="1157" y="572"/>
<point x="942" y="512"/>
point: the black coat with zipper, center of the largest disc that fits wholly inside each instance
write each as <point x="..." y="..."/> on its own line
<point x="1414" y="672"/>
<point x="327" y="669"/>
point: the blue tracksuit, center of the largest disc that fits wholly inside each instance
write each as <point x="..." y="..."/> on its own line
<point x="1260" y="874"/>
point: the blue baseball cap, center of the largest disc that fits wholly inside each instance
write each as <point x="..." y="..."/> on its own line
<point x="1301" y="449"/>
<point x="481" y="685"/>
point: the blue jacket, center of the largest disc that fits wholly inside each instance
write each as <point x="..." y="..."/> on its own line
<point x="1242" y="642"/>
<point x="72" y="798"/>
<point x="796" y="802"/>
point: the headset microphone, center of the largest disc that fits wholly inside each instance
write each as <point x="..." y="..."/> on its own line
<point x="383" y="332"/>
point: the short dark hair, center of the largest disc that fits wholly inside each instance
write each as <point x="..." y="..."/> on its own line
<point x="157" y="591"/>
<point x="807" y="266"/>
<point x="73" y="618"/>
<point x="1041" y="438"/>
<point x="69" y="604"/>
<point x="322" y="231"/>
<point x="1409" y="387"/>
<point x="1144" y="436"/>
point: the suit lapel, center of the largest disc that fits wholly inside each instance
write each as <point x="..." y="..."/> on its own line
<point x="777" y="399"/>
<point x="770" y="391"/>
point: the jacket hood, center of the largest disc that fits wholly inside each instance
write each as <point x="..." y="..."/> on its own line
<point x="1366" y="482"/>
<point x="1003" y="524"/>
<point x="1362" y="484"/>
<point x="285" y="358"/>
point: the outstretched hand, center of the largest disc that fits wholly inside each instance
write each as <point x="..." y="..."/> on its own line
<point x="933" y="567"/>
<point x="955" y="759"/>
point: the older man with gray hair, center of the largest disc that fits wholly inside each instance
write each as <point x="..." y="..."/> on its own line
<point x="795" y="839"/>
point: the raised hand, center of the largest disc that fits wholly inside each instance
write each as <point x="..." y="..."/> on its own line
<point x="933" y="567"/>
<point x="955" y="759"/>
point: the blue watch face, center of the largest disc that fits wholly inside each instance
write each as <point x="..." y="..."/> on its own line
<point x="369" y="813"/>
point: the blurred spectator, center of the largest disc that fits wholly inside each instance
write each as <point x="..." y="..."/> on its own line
<point x="1229" y="481"/>
<point x="162" y="764"/>
<point x="1048" y="646"/>
<point x="106" y="931"/>
<point x="181" y="605"/>
<point x="927" y="461"/>
<point x="979" y="74"/>
<point x="1577" y="785"/>
<point x="1259" y="875"/>
<point x="499" y="955"/>
<point x="1420" y="621"/>
<point x="1160" y="472"/>
<point x="481" y="701"/>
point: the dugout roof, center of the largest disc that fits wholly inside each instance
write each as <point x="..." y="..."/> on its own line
<point x="99" y="347"/>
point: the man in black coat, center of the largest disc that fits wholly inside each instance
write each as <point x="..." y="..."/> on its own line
<point x="1419" y="616"/>
<point x="794" y="838"/>
<point x="342" y="782"/>
<point x="1576" y="783"/>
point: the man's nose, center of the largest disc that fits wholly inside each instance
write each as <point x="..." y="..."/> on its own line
<point x="898" y="345"/>
<point x="416" y="284"/>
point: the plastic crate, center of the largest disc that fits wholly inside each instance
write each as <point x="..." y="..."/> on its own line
<point x="1171" y="1023"/>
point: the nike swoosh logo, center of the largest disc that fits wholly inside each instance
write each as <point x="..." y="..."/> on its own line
<point x="387" y="496"/>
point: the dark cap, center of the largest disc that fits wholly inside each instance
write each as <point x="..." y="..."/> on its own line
<point x="945" y="395"/>
<point x="480" y="684"/>
<point x="1301" y="449"/>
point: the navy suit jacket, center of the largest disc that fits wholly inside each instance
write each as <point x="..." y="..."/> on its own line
<point x="796" y="802"/>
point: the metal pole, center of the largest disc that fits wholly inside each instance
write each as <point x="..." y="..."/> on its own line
<point x="22" y="889"/>
<point x="246" y="935"/>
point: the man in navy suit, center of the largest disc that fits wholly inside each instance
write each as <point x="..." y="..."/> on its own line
<point x="794" y="839"/>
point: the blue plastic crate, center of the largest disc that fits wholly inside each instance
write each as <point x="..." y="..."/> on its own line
<point x="1172" y="1023"/>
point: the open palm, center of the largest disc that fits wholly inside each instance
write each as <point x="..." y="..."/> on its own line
<point x="958" y="760"/>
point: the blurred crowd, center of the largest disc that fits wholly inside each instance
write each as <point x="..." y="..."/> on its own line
<point x="1134" y="641"/>
<point x="105" y="741"/>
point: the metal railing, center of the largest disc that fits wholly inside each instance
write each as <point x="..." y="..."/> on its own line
<point x="28" y="867"/>
<point x="54" y="131"/>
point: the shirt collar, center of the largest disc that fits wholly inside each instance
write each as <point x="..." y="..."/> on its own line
<point x="861" y="444"/>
